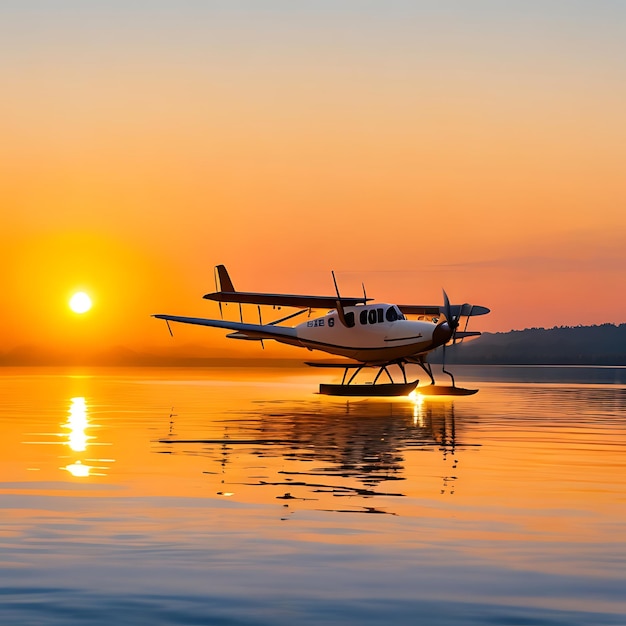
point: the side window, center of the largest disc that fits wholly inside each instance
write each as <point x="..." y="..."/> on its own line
<point x="379" y="313"/>
<point x="349" y="319"/>
<point x="371" y="316"/>
<point x="391" y="314"/>
<point x="363" y="317"/>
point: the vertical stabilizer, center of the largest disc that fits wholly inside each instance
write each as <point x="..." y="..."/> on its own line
<point x="225" y="283"/>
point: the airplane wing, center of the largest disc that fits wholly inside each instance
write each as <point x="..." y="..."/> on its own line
<point x="227" y="293"/>
<point x="283" y="299"/>
<point x="242" y="330"/>
<point x="456" y="310"/>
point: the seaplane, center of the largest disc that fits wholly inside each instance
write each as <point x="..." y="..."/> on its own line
<point x="364" y="334"/>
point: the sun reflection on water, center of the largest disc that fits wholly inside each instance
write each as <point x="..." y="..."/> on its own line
<point x="77" y="422"/>
<point x="78" y="440"/>
<point x="78" y="469"/>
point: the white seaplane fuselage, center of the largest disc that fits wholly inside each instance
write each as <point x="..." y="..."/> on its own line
<point x="371" y="333"/>
<point x="375" y="333"/>
<point x="367" y="333"/>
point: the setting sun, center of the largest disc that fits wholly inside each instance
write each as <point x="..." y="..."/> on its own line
<point x="80" y="302"/>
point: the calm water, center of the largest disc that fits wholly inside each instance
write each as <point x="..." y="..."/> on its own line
<point x="241" y="497"/>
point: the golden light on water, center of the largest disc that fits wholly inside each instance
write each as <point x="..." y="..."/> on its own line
<point x="78" y="440"/>
<point x="77" y="423"/>
<point x="418" y="404"/>
<point x="78" y="469"/>
<point x="80" y="302"/>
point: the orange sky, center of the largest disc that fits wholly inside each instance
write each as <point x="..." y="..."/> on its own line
<point x="480" y="149"/>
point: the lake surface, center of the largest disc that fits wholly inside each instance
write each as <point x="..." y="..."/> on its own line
<point x="194" y="496"/>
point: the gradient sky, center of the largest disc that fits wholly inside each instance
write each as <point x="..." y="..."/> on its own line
<point x="477" y="146"/>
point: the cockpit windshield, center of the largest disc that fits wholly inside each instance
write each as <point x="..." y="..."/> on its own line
<point x="393" y="313"/>
<point x="378" y="315"/>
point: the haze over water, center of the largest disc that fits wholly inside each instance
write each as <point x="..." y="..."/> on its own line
<point x="242" y="497"/>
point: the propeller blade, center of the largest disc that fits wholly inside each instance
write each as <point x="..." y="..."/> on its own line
<point x="453" y="321"/>
<point x="447" y="311"/>
<point x="453" y="324"/>
<point x="446" y="331"/>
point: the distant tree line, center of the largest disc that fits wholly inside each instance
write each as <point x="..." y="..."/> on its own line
<point x="562" y="345"/>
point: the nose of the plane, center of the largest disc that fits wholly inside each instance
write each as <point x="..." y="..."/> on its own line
<point x="442" y="334"/>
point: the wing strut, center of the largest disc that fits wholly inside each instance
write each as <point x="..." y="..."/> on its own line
<point x="261" y="324"/>
<point x="340" y="312"/>
<point x="287" y="317"/>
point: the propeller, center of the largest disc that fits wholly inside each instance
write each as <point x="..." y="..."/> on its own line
<point x="448" y="328"/>
<point x="445" y="330"/>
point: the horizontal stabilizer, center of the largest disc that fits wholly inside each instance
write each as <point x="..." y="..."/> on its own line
<point x="469" y="310"/>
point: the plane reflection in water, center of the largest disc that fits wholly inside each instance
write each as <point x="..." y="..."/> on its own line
<point x="349" y="449"/>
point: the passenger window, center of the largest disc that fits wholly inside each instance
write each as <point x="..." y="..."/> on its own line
<point x="363" y="317"/>
<point x="371" y="316"/>
<point x="380" y="315"/>
<point x="349" y="317"/>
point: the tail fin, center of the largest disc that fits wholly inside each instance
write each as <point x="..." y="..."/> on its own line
<point x="225" y="283"/>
